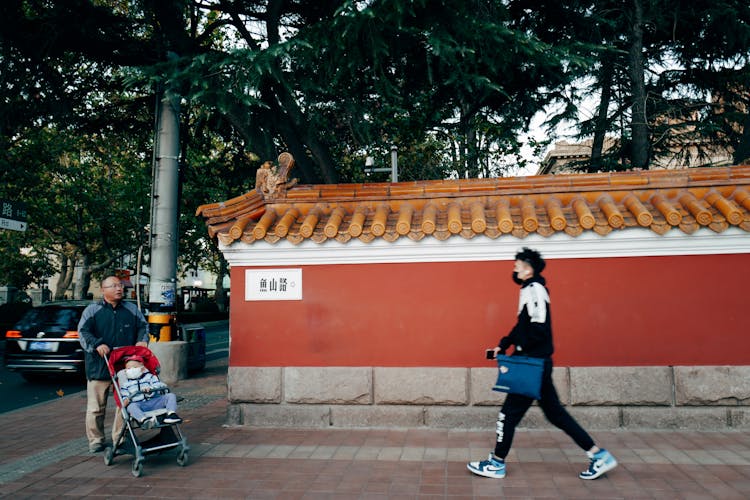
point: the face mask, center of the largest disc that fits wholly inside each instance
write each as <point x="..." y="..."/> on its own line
<point x="516" y="279"/>
<point x="134" y="372"/>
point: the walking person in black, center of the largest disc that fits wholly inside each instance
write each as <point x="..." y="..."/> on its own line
<point x="532" y="336"/>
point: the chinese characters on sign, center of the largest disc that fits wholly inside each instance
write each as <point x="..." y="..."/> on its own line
<point x="13" y="215"/>
<point x="273" y="284"/>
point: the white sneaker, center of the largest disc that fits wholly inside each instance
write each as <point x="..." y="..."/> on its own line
<point x="601" y="463"/>
<point x="488" y="468"/>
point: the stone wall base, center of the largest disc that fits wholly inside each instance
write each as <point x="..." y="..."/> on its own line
<point x="606" y="398"/>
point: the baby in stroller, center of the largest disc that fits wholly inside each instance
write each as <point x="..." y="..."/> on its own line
<point x="141" y="391"/>
<point x="145" y="403"/>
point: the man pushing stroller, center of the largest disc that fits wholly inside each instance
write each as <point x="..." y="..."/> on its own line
<point x="141" y="391"/>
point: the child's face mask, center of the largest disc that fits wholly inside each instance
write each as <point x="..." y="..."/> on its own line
<point x="134" y="372"/>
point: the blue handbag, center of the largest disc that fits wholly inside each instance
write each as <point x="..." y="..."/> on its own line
<point x="519" y="375"/>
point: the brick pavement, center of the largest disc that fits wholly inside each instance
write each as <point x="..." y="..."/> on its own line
<point x="43" y="454"/>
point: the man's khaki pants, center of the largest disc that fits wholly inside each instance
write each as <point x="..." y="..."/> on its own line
<point x="97" y="392"/>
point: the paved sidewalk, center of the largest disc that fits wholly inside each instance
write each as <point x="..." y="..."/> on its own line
<point x="43" y="454"/>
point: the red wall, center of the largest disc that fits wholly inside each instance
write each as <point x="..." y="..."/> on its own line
<point x="636" y="311"/>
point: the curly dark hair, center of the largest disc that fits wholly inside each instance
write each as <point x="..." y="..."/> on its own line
<point x="532" y="258"/>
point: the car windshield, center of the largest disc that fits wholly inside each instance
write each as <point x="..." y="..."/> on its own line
<point x="64" y="318"/>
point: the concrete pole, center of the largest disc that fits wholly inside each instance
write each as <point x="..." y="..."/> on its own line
<point x="394" y="164"/>
<point x="164" y="209"/>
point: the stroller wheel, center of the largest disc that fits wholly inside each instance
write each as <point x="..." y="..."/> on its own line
<point x="109" y="454"/>
<point x="137" y="469"/>
<point x="182" y="459"/>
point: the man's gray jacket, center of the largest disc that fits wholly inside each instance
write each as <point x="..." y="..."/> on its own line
<point x="118" y="326"/>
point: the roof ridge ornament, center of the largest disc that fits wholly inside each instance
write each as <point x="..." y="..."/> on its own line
<point x="271" y="181"/>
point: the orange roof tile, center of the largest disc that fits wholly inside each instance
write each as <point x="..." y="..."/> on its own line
<point x="717" y="198"/>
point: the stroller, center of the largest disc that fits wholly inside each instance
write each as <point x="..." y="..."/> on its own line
<point x="128" y="443"/>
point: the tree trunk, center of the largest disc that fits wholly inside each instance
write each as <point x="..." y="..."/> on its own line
<point x="298" y="126"/>
<point x="87" y="270"/>
<point x="303" y="167"/>
<point x="639" y="124"/>
<point x="742" y="153"/>
<point x="472" y="149"/>
<point x="602" y="120"/>
<point x="82" y="285"/>
<point x="67" y="270"/>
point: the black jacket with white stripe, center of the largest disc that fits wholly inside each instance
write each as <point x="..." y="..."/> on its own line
<point x="532" y="335"/>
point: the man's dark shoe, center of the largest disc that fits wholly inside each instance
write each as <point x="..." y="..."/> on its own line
<point x="96" y="447"/>
<point x="172" y="418"/>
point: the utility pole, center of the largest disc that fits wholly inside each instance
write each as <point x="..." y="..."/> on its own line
<point x="170" y="346"/>
<point x="370" y="165"/>
<point x="164" y="209"/>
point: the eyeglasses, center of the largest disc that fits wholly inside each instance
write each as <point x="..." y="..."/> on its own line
<point x="119" y="285"/>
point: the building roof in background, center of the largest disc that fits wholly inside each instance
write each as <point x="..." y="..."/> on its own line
<point x="664" y="200"/>
<point x="570" y="157"/>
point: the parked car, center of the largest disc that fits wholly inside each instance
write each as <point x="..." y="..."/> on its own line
<point x="45" y="341"/>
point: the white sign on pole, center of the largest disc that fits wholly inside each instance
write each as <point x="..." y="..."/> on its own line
<point x="273" y="284"/>
<point x="13" y="215"/>
<point x="13" y="225"/>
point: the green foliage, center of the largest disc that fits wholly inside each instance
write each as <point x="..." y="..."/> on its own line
<point x="453" y="84"/>
<point x="212" y="151"/>
<point x="20" y="265"/>
<point x="86" y="193"/>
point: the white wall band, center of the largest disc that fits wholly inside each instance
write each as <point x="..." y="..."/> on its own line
<point x="636" y="242"/>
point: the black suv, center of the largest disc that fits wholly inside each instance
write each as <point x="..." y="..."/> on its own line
<point x="45" y="341"/>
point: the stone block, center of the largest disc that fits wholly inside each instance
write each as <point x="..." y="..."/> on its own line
<point x="481" y="381"/>
<point x="484" y="418"/>
<point x="254" y="384"/>
<point x="462" y="418"/>
<point x="739" y="418"/>
<point x="234" y="414"/>
<point x="328" y="385"/>
<point x="603" y="418"/>
<point x="561" y="379"/>
<point x="390" y="416"/>
<point x="172" y="358"/>
<point x="701" y="419"/>
<point x="421" y="386"/>
<point x="712" y="385"/>
<point x="624" y="385"/>
<point x="596" y="417"/>
<point x="534" y="419"/>
<point x="303" y="416"/>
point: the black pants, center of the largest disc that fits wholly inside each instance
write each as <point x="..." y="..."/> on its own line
<point x="515" y="408"/>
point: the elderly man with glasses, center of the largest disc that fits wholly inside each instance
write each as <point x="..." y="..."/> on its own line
<point x="104" y="325"/>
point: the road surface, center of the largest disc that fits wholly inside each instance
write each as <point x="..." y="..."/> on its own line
<point x="16" y="392"/>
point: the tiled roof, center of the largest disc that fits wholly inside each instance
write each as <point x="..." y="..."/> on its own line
<point x="663" y="200"/>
